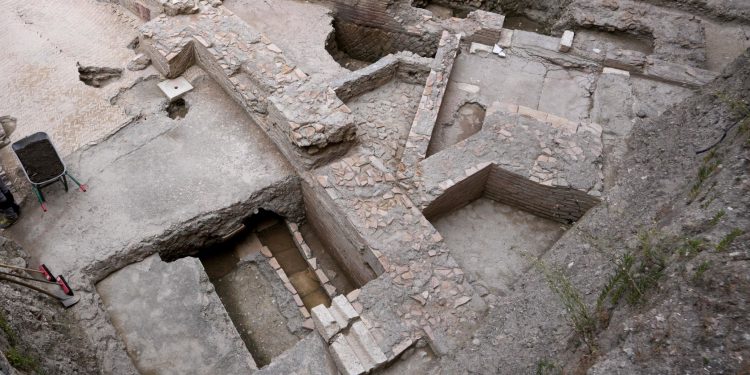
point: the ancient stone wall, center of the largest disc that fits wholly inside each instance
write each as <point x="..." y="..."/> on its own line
<point x="403" y="66"/>
<point x="370" y="43"/>
<point x="458" y="195"/>
<point x="562" y="204"/>
<point x="338" y="235"/>
<point x="565" y="205"/>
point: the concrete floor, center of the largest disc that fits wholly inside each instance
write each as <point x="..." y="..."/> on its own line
<point x="299" y="28"/>
<point x="171" y="319"/>
<point x="495" y="242"/>
<point x="521" y="81"/>
<point x="153" y="174"/>
<point x="39" y="82"/>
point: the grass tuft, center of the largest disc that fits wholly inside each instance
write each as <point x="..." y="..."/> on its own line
<point x="702" y="268"/>
<point x="636" y="273"/>
<point x="546" y="367"/>
<point x="579" y="315"/>
<point x="717" y="217"/>
<point x="728" y="239"/>
<point x="21" y="361"/>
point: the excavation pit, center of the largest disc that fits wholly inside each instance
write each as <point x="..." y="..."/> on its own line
<point x="355" y="46"/>
<point x="177" y="109"/>
<point x="496" y="242"/>
<point x="262" y="310"/>
<point x="467" y="121"/>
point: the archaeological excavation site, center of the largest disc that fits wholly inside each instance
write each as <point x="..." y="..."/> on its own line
<point x="389" y="187"/>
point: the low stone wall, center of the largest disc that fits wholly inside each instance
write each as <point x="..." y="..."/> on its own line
<point x="402" y="66"/>
<point x="371" y="43"/>
<point x="339" y="236"/>
<point x="562" y="204"/>
<point x="432" y="98"/>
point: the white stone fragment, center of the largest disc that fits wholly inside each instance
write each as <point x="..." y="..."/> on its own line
<point x="324" y="322"/>
<point x="478" y="47"/>
<point x="566" y="41"/>
<point x="175" y="88"/>
<point x="498" y="51"/>
<point x="364" y="346"/>
<point x="506" y="38"/>
<point x="616" y="71"/>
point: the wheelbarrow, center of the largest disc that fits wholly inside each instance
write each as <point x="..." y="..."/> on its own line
<point x="42" y="164"/>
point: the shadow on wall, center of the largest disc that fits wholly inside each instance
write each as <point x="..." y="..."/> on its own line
<point x="355" y="46"/>
<point x="447" y="9"/>
<point x="561" y="204"/>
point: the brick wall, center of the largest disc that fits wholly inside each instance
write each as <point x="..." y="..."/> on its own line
<point x="565" y="205"/>
<point x="369" y="44"/>
<point x="458" y="195"/>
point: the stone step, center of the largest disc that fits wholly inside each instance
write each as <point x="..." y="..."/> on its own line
<point x="364" y="346"/>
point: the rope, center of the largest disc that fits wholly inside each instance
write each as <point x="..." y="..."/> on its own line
<point x="27" y="278"/>
<point x="21" y="283"/>
<point x="19" y="268"/>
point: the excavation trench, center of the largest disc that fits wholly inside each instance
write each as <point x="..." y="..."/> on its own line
<point x="269" y="275"/>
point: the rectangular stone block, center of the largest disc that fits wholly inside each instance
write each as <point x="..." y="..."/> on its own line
<point x="480" y="48"/>
<point x="364" y="346"/>
<point x="566" y="41"/>
<point x="342" y="311"/>
<point x="175" y="88"/>
<point x="506" y="38"/>
<point x="615" y="71"/>
<point x="324" y="322"/>
<point x="345" y="358"/>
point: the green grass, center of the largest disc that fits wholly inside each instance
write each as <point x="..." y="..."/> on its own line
<point x="546" y="367"/>
<point x="579" y="315"/>
<point x="693" y="246"/>
<point x="711" y="162"/>
<point x="15" y="356"/>
<point x="728" y="239"/>
<point x="717" y="218"/>
<point x="8" y="330"/>
<point x="637" y="272"/>
<point x="21" y="361"/>
<point x="702" y="268"/>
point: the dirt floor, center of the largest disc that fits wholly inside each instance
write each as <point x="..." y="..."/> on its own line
<point x="467" y="121"/>
<point x="250" y="302"/>
<point x="496" y="243"/>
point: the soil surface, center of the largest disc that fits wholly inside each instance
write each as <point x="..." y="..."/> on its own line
<point x="40" y="160"/>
